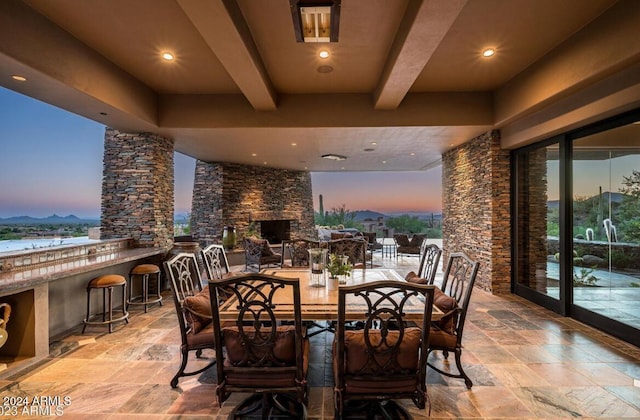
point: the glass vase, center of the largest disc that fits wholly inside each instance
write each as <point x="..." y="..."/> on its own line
<point x="317" y="267"/>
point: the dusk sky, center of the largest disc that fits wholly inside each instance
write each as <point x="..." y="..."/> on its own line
<point x="51" y="162"/>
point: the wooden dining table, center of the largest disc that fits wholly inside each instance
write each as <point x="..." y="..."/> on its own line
<point x="321" y="303"/>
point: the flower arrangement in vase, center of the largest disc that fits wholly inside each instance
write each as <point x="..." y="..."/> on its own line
<point x="339" y="267"/>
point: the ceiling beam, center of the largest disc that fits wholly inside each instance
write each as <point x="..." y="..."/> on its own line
<point x="222" y="26"/>
<point x="600" y="49"/>
<point x="423" y="26"/>
<point x="61" y="70"/>
<point x="338" y="110"/>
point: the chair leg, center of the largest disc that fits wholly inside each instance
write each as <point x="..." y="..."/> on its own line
<point x="461" y="373"/>
<point x="467" y="380"/>
<point x="124" y="303"/>
<point x="88" y="310"/>
<point x="110" y="318"/>
<point x="184" y="357"/>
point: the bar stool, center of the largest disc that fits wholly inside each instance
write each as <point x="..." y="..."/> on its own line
<point x="107" y="283"/>
<point x="144" y="271"/>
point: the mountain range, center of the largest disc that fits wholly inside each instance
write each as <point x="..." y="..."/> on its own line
<point x="615" y="198"/>
<point x="53" y="219"/>
<point x="361" y="215"/>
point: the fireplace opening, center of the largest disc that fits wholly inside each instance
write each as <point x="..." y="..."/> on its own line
<point x="275" y="231"/>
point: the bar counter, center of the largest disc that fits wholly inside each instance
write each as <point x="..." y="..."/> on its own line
<point x="47" y="291"/>
<point x="29" y="277"/>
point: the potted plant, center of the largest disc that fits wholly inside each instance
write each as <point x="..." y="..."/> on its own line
<point x="339" y="267"/>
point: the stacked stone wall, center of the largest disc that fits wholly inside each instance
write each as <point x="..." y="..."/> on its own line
<point x="476" y="208"/>
<point x="237" y="195"/>
<point x="532" y="220"/>
<point x="137" y="188"/>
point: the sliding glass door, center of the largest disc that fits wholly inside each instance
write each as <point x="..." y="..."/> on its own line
<point x="576" y="213"/>
<point x="606" y="224"/>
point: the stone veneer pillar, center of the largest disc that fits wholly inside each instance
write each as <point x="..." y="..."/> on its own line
<point x="137" y="188"/>
<point x="532" y="220"/>
<point x="235" y="194"/>
<point x="476" y="208"/>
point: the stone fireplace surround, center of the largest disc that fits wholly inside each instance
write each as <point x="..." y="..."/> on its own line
<point x="244" y="195"/>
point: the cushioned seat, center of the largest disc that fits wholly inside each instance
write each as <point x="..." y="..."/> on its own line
<point x="408" y="246"/>
<point x="193" y="308"/>
<point x="107" y="283"/>
<point x="258" y="252"/>
<point x="453" y="300"/>
<point x="387" y="359"/>
<point x="145" y="272"/>
<point x="263" y="358"/>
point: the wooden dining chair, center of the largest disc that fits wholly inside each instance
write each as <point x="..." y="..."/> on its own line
<point x="193" y="308"/>
<point x="262" y="355"/>
<point x="446" y="333"/>
<point x="386" y="359"/>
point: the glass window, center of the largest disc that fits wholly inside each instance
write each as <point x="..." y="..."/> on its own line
<point x="606" y="223"/>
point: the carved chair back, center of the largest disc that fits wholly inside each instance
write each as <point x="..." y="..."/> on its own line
<point x="215" y="262"/>
<point x="387" y="357"/>
<point x="193" y="309"/>
<point x="429" y="260"/>
<point x="262" y="354"/>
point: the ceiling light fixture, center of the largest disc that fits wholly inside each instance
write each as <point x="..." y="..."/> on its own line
<point x="324" y="54"/>
<point x="19" y="78"/>
<point x="168" y="56"/>
<point x="488" y="52"/>
<point x="315" y="20"/>
<point x="333" y="156"/>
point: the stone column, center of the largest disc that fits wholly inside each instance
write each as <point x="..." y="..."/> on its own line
<point x="206" y="204"/>
<point x="137" y="188"/>
<point x="476" y="208"/>
<point x="532" y="224"/>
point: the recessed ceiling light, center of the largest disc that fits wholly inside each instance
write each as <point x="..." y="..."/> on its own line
<point x="373" y="143"/>
<point x="254" y="154"/>
<point x="294" y="144"/>
<point x="488" y="52"/>
<point x="412" y="154"/>
<point x="264" y="163"/>
<point x="333" y="156"/>
<point x="19" y="78"/>
<point x="384" y="162"/>
<point x="324" y="54"/>
<point x="168" y="56"/>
